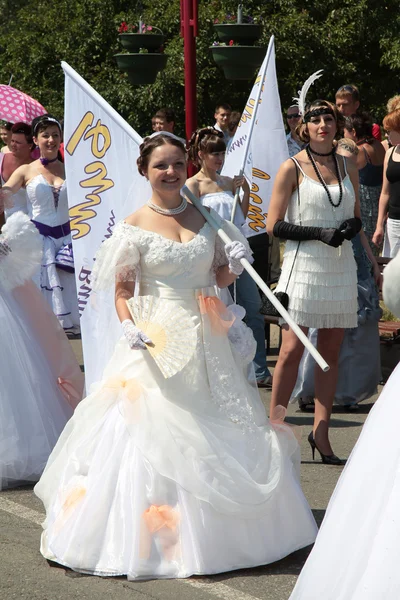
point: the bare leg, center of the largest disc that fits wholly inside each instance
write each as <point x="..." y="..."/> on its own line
<point x="329" y="343"/>
<point x="285" y="373"/>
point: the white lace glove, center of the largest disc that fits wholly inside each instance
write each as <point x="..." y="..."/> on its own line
<point x="137" y="340"/>
<point x="234" y="252"/>
<point x="4" y="249"/>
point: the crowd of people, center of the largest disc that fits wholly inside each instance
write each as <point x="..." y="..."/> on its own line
<point x="181" y="466"/>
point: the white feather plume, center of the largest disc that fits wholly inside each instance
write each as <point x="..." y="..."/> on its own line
<point x="301" y="100"/>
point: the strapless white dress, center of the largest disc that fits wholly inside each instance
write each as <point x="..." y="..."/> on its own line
<point x="49" y="206"/>
<point x="222" y="203"/>
<point x="41" y="381"/>
<point x="356" y="555"/>
<point x="155" y="477"/>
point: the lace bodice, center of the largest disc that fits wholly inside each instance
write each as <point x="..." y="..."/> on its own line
<point x="181" y="265"/>
<point x="222" y="203"/>
<point x="47" y="204"/>
<point x="133" y="253"/>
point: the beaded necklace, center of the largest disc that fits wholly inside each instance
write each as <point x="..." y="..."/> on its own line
<point x="320" y="153"/>
<point x="321" y="180"/>
<point x="168" y="211"/>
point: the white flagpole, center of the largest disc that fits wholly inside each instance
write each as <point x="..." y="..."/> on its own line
<point x="253" y="121"/>
<point x="254" y="275"/>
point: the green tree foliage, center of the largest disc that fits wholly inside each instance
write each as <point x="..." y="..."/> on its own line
<point x="353" y="41"/>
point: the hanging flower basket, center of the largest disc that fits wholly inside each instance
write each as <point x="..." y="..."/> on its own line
<point x="134" y="41"/>
<point x="145" y="57"/>
<point x="243" y="33"/>
<point x="141" y="68"/>
<point x="238" y="62"/>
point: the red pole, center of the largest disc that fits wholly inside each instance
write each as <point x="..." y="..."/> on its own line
<point x="189" y="30"/>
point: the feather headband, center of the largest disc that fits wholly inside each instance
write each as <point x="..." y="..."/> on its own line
<point x="301" y="100"/>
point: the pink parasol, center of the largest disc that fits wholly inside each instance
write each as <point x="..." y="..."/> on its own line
<point x="16" y="106"/>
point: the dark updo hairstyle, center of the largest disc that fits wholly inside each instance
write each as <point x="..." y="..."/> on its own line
<point x="41" y="123"/>
<point x="302" y="129"/>
<point x="362" y="125"/>
<point x="206" y="140"/>
<point x="6" y="125"/>
<point x="151" y="143"/>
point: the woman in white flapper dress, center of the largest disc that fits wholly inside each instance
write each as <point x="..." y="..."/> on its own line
<point x="44" y="181"/>
<point x="356" y="553"/>
<point x="41" y="381"/>
<point x="359" y="369"/>
<point x="315" y="207"/>
<point x="170" y="467"/>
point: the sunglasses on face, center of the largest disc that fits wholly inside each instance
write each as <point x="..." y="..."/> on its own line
<point x="295" y="116"/>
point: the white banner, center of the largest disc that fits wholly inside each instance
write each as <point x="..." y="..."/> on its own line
<point x="104" y="186"/>
<point x="268" y="148"/>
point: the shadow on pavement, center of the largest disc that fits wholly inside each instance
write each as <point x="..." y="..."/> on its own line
<point x="309" y="420"/>
<point x="290" y="565"/>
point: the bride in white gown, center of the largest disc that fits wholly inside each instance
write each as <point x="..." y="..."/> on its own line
<point x="356" y="555"/>
<point x="46" y="192"/>
<point x="41" y="381"/>
<point x="155" y="476"/>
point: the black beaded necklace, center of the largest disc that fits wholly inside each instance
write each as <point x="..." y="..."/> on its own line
<point x="321" y="180"/>
<point x="320" y="153"/>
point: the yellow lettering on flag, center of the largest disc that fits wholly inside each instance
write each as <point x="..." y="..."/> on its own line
<point x="81" y="213"/>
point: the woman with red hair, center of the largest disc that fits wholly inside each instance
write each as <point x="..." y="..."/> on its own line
<point x="389" y="201"/>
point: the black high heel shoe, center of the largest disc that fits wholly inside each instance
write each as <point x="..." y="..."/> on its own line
<point x="327" y="459"/>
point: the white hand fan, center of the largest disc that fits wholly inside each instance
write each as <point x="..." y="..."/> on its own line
<point x="169" y="327"/>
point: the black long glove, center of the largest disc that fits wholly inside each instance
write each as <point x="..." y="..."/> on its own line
<point x="350" y="228"/>
<point x="289" y="231"/>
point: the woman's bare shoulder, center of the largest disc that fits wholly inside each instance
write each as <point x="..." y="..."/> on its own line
<point x="351" y="165"/>
<point x="193" y="183"/>
<point x="135" y="218"/>
<point x="288" y="167"/>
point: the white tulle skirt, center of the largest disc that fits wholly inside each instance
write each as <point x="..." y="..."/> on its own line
<point x="40" y="384"/>
<point x="157" y="477"/>
<point x="41" y="381"/>
<point x="356" y="555"/>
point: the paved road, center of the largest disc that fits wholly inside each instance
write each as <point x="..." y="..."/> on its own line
<point x="24" y="574"/>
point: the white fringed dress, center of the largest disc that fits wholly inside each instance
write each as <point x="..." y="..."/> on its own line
<point x="323" y="284"/>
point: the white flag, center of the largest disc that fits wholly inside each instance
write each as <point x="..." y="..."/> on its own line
<point x="104" y="187"/>
<point x="268" y="147"/>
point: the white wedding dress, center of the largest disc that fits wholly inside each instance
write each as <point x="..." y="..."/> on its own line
<point x="156" y="477"/>
<point x="356" y="555"/>
<point x="48" y="209"/>
<point x="41" y="381"/>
